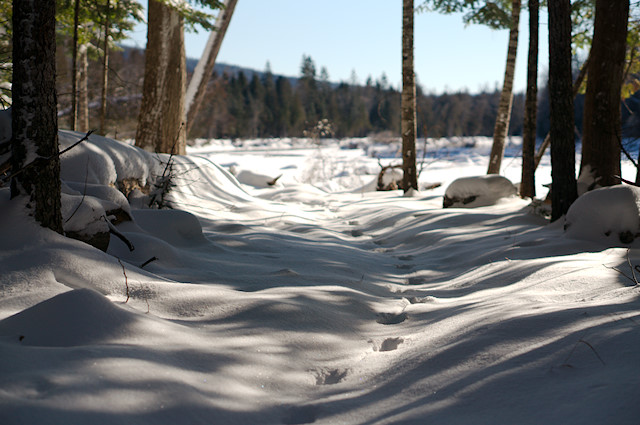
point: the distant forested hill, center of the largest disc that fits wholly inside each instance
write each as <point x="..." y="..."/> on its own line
<point x="243" y="103"/>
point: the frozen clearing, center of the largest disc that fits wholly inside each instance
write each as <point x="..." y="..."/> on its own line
<point x="315" y="300"/>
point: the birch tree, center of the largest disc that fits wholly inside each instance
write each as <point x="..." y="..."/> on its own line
<point x="34" y="146"/>
<point x="408" y="107"/>
<point x="501" y="128"/>
<point x="201" y="75"/>
<point x="498" y="15"/>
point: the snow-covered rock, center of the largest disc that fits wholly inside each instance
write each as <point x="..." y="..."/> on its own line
<point x="609" y="215"/>
<point x="256" y="180"/>
<point x="478" y="191"/>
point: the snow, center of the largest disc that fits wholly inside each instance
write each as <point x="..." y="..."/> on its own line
<point x="318" y="299"/>
<point x="478" y="191"/>
<point x="609" y="215"/>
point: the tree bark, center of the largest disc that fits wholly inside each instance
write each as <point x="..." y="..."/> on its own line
<point x="563" y="157"/>
<point x="74" y="69"/>
<point x="34" y="114"/>
<point x="161" y="122"/>
<point x="576" y="89"/>
<point x="409" y="127"/>
<point x="528" y="182"/>
<point x="198" y="85"/>
<point x="602" y="122"/>
<point x="83" y="89"/>
<point x="105" y="69"/>
<point x="501" y="128"/>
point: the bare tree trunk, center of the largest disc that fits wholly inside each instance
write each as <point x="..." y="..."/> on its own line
<point x="563" y="156"/>
<point x="198" y="85"/>
<point x="74" y="69"/>
<point x="576" y="89"/>
<point x="105" y="70"/>
<point x="409" y="127"/>
<point x="528" y="182"/>
<point x="161" y="121"/>
<point x="501" y="128"/>
<point x="34" y="95"/>
<point x="82" y="122"/>
<point x="602" y="122"/>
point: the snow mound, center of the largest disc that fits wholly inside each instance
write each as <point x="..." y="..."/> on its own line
<point x="176" y="227"/>
<point x="77" y="317"/>
<point x="103" y="161"/>
<point x="609" y="215"/>
<point x="257" y="180"/>
<point x="478" y="191"/>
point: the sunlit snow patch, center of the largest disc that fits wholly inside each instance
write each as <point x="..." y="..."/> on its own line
<point x="478" y="191"/>
<point x="609" y="215"/>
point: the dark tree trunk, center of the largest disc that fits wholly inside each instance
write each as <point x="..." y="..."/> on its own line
<point x="602" y="125"/>
<point x="34" y="115"/>
<point x="161" y="122"/>
<point x="528" y="183"/>
<point x="501" y="129"/>
<point x="563" y="156"/>
<point x="409" y="127"/>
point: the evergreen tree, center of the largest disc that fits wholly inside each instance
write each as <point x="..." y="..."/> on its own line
<point x="602" y="121"/>
<point x="161" y="124"/>
<point x="563" y="184"/>
<point x="34" y="95"/>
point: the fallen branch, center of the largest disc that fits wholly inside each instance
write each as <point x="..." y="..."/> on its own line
<point x="116" y="233"/>
<point x="150" y="260"/>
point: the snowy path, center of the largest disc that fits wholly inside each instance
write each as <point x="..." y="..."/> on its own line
<point x="291" y="305"/>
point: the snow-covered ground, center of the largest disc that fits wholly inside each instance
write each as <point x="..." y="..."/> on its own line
<point x="316" y="299"/>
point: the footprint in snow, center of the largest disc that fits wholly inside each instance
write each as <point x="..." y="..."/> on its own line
<point x="422" y="300"/>
<point x="356" y="233"/>
<point x="391" y="318"/>
<point x="389" y="344"/>
<point x="416" y="280"/>
<point x="330" y="376"/>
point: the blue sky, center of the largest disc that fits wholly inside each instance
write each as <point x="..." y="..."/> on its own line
<point x="365" y="36"/>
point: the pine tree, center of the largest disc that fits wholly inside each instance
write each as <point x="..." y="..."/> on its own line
<point x="527" y="185"/>
<point x="563" y="184"/>
<point x="602" y="122"/>
<point x="34" y="95"/>
<point x="161" y="124"/>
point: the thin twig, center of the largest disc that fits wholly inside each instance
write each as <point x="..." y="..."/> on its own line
<point x="148" y="261"/>
<point x="126" y="281"/>
<point x="47" y="159"/>
<point x="84" y="194"/>
<point x="633" y="271"/>
<point x="619" y="271"/>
